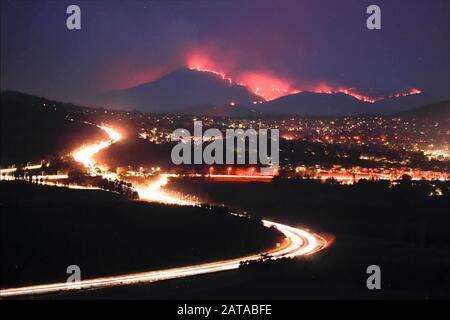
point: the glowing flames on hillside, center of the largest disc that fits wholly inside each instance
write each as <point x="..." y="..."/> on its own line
<point x="266" y="85"/>
<point x="217" y="73"/>
<point x="269" y="87"/>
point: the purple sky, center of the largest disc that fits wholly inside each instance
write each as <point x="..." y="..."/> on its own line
<point x="125" y="43"/>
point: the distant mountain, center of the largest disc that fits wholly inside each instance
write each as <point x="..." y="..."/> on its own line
<point x="339" y="104"/>
<point x="439" y="111"/>
<point x="313" y="104"/>
<point x="182" y="88"/>
<point x="196" y="92"/>
<point x="394" y="105"/>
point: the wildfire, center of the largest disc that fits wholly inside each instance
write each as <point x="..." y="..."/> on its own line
<point x="269" y="87"/>
<point x="266" y="85"/>
<point x="404" y="94"/>
<point x="217" y="73"/>
<point x="354" y="93"/>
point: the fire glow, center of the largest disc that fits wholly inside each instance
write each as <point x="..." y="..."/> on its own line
<point x="85" y="154"/>
<point x="269" y="87"/>
<point x="266" y="86"/>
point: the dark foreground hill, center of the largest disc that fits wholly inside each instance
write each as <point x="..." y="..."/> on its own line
<point x="45" y="229"/>
<point x="33" y="128"/>
<point x="401" y="228"/>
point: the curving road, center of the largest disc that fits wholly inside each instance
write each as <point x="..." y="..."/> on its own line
<point x="297" y="242"/>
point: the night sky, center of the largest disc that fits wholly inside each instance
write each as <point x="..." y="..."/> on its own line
<point x="306" y="43"/>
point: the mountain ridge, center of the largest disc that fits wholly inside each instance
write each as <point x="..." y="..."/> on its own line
<point x="12" y="99"/>
<point x="191" y="91"/>
<point x="437" y="111"/>
<point x="182" y="88"/>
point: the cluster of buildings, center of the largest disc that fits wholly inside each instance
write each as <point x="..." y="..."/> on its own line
<point x="372" y="136"/>
<point x="354" y="174"/>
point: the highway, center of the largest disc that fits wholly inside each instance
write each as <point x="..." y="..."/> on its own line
<point x="298" y="242"/>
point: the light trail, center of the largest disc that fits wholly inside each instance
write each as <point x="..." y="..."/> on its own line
<point x="153" y="192"/>
<point x="11" y="170"/>
<point x="52" y="177"/>
<point x="85" y="154"/>
<point x="237" y="176"/>
<point x="298" y="242"/>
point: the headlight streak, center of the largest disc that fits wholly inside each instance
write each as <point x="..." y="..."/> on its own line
<point x="298" y="242"/>
<point x="153" y="192"/>
<point x="85" y="154"/>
